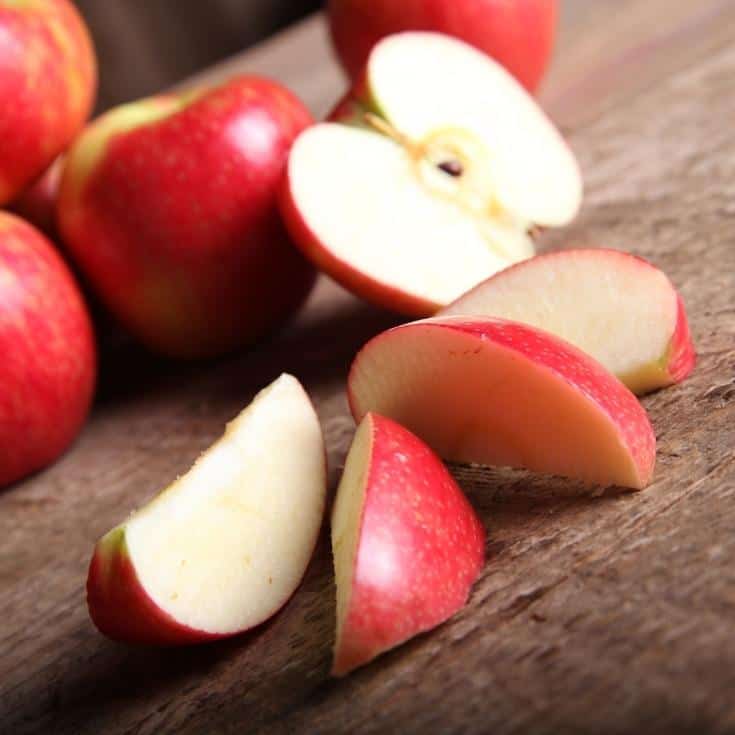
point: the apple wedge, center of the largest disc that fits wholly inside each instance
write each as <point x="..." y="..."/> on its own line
<point x="614" y="306"/>
<point x="224" y="547"/>
<point x="498" y="392"/>
<point x="429" y="177"/>
<point x="407" y="545"/>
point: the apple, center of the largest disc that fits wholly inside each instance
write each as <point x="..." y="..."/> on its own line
<point x="614" y="306"/>
<point x="407" y="545"/>
<point x="37" y="203"/>
<point x="48" y="365"/>
<point x="224" y="547"/>
<point x="498" y="392"/>
<point x="169" y="208"/>
<point x="429" y="178"/>
<point x="517" y="33"/>
<point x="48" y="80"/>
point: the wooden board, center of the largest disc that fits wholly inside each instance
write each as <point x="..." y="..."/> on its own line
<point x="593" y="614"/>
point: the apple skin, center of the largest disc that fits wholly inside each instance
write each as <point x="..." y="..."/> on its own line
<point x="519" y="34"/>
<point x="122" y="610"/>
<point x="682" y="357"/>
<point x="169" y="208"/>
<point x="415" y="515"/>
<point x="560" y="361"/>
<point x="48" y="70"/>
<point x="47" y="374"/>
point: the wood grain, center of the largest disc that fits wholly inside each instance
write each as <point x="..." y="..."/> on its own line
<point x="607" y="614"/>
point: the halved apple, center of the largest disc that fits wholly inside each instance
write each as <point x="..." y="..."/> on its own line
<point x="407" y="545"/>
<point x="224" y="547"/>
<point x="614" y="306"/>
<point x="430" y="177"/>
<point x="498" y="392"/>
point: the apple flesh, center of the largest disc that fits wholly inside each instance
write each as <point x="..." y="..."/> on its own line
<point x="48" y="364"/>
<point x="498" y="392"/>
<point x="169" y="208"/>
<point x="407" y="545"/>
<point x="226" y="545"/>
<point x="48" y="78"/>
<point x="614" y="306"/>
<point x="420" y="187"/>
<point x="519" y="34"/>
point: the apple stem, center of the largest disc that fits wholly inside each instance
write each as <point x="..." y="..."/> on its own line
<point x="384" y="127"/>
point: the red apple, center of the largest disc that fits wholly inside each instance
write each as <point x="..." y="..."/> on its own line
<point x="430" y="177"/>
<point x="517" y="33"/>
<point x="407" y="545"/>
<point x="498" y="392"/>
<point x="48" y="78"/>
<point x="48" y="364"/>
<point x="168" y="206"/>
<point x="614" y="306"/>
<point x="223" y="547"/>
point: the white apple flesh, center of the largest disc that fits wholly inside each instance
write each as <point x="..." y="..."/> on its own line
<point x="225" y="546"/>
<point x="430" y="176"/>
<point x="498" y="392"/>
<point x="614" y="306"/>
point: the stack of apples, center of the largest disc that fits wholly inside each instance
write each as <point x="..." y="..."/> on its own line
<point x="200" y="221"/>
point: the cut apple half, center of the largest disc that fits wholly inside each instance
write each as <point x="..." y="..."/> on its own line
<point x="430" y="176"/>
<point x="614" y="306"/>
<point x="497" y="392"/>
<point x="225" y="546"/>
<point x="407" y="545"/>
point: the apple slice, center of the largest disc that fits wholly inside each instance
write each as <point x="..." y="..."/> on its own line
<point x="498" y="392"/>
<point x="224" y="547"/>
<point x="612" y="305"/>
<point x="407" y="545"/>
<point x="429" y="178"/>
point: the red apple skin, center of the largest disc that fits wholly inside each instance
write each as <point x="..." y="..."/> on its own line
<point x="37" y="203"/>
<point x="555" y="355"/>
<point x="176" y="226"/>
<point x="519" y="34"/>
<point x="48" y="70"/>
<point x="122" y="610"/>
<point x="415" y="515"/>
<point x="682" y="356"/>
<point x="48" y="369"/>
<point x="361" y="284"/>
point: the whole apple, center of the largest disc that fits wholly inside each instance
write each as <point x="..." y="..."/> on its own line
<point x="48" y="78"/>
<point x="48" y="365"/>
<point x="169" y="208"/>
<point x="517" y="33"/>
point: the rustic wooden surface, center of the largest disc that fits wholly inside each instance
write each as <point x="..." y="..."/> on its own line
<point x="608" y="614"/>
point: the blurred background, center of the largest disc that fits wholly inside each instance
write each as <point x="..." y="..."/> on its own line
<point x="144" y="46"/>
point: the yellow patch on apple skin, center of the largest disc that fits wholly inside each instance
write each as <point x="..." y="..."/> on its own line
<point x="23" y="4"/>
<point x="91" y="146"/>
<point x="113" y="543"/>
<point x="648" y="377"/>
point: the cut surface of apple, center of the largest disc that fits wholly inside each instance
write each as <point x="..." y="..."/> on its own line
<point x="407" y="545"/>
<point x="429" y="176"/>
<point x="224" y="547"/>
<point x="617" y="307"/>
<point x="497" y="392"/>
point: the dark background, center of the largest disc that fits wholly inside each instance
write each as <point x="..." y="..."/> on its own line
<point x="144" y="46"/>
